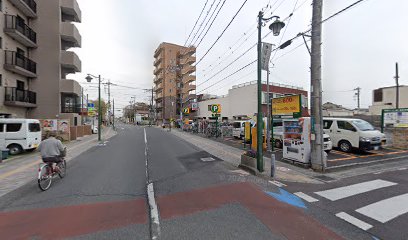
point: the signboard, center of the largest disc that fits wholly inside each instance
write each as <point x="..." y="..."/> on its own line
<point x="288" y="105"/>
<point x="49" y="124"/>
<point x="214" y="108"/>
<point x="194" y="106"/>
<point x="91" y="113"/>
<point x="186" y="110"/>
<point x="395" y="118"/>
<point x="265" y="55"/>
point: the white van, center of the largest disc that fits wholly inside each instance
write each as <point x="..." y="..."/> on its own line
<point x="351" y="133"/>
<point x="18" y="135"/>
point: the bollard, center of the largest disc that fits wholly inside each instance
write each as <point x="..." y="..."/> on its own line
<point x="273" y="165"/>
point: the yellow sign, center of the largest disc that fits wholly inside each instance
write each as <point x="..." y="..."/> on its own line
<point x="91" y="113"/>
<point x="247" y="131"/>
<point x="186" y="110"/>
<point x="286" y="105"/>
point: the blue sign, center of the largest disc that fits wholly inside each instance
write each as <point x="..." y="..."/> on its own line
<point x="91" y="105"/>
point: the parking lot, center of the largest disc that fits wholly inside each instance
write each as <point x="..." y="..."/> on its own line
<point x="337" y="159"/>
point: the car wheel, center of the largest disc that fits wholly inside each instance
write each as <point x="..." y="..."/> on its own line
<point x="15" y="149"/>
<point x="345" y="146"/>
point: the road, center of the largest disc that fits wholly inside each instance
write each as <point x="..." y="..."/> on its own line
<point x="146" y="183"/>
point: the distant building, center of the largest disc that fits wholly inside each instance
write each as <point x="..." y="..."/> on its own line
<point x="241" y="100"/>
<point x="385" y="98"/>
<point x="334" y="110"/>
<point x="174" y="80"/>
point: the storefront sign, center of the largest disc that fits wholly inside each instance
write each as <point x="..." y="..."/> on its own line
<point x="288" y="105"/>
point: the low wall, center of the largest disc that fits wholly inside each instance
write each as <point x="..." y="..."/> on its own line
<point x="87" y="130"/>
<point x="400" y="138"/>
<point x="73" y="134"/>
<point x="80" y="131"/>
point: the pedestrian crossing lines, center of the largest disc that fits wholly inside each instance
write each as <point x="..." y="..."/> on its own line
<point x="380" y="211"/>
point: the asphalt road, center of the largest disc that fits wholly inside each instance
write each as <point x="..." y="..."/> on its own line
<point x="104" y="196"/>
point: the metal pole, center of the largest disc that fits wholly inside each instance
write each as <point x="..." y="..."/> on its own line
<point x="317" y="160"/>
<point x="113" y="103"/>
<point x="268" y="124"/>
<point x="82" y="106"/>
<point x="259" y="155"/>
<point x="99" y="110"/>
<point x="397" y="82"/>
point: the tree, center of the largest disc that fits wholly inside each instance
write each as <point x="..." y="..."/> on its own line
<point x="104" y="107"/>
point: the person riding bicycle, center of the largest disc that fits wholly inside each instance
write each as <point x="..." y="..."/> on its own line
<point x="52" y="150"/>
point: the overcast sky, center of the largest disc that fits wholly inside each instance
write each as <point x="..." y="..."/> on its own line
<point x="360" y="46"/>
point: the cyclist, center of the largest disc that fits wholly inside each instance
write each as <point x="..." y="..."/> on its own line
<point x="51" y="150"/>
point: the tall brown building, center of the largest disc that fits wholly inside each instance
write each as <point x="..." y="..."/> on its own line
<point x="174" y="81"/>
<point x="35" y="41"/>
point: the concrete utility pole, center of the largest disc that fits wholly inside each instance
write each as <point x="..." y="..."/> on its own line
<point x="357" y="94"/>
<point x="151" y="108"/>
<point x="113" y="103"/>
<point x="397" y="82"/>
<point x="109" y="102"/>
<point x="317" y="159"/>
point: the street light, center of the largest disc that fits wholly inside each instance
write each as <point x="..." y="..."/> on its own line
<point x="89" y="78"/>
<point x="276" y="27"/>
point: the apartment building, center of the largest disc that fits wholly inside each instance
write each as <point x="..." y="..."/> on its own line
<point x="34" y="58"/>
<point x="386" y="98"/>
<point x="174" y="81"/>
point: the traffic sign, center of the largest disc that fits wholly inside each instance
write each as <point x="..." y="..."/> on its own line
<point x="186" y="110"/>
<point x="215" y="108"/>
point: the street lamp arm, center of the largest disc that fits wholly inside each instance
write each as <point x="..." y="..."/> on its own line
<point x="270" y="18"/>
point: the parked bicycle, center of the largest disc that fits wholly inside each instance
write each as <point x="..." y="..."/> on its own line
<point x="47" y="172"/>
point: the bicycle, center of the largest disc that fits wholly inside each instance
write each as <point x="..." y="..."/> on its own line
<point x="46" y="173"/>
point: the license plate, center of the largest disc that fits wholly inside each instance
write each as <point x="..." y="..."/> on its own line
<point x="35" y="145"/>
<point x="376" y="148"/>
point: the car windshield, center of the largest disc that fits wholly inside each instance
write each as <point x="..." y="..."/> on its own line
<point x="363" y="125"/>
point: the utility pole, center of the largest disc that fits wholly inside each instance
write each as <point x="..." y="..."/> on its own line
<point x="357" y="94"/>
<point x="151" y="109"/>
<point x="82" y="106"/>
<point x="259" y="153"/>
<point x="113" y="103"/>
<point x="109" y="102"/>
<point x="317" y="160"/>
<point x="397" y="82"/>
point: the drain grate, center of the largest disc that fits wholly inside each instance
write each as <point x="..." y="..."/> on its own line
<point x="207" y="159"/>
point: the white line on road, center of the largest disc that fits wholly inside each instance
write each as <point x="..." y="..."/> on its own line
<point x="306" y="197"/>
<point x="387" y="209"/>
<point x="278" y="184"/>
<point x="351" y="190"/>
<point x="355" y="221"/>
<point x="153" y="210"/>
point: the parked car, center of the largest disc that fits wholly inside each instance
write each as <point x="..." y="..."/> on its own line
<point x="238" y="129"/>
<point x="19" y="135"/>
<point x="351" y="133"/>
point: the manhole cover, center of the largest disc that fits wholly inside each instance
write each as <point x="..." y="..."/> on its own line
<point x="207" y="159"/>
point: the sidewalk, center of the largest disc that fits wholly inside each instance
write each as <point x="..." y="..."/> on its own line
<point x="19" y="170"/>
<point x="284" y="172"/>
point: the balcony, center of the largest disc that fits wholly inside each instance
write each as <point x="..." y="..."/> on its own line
<point x="19" y="64"/>
<point x="189" y="78"/>
<point x="158" y="51"/>
<point x="188" y="60"/>
<point x="70" y="62"/>
<point x="189" y="88"/>
<point x="20" y="31"/>
<point x="189" y="51"/>
<point x="159" y="96"/>
<point x="157" y="71"/>
<point x="157" y="61"/>
<point x="69" y="33"/>
<point x="70" y="11"/>
<point x="28" y="7"/>
<point x="159" y="87"/>
<point x="70" y="86"/>
<point x="20" y="98"/>
<point x="188" y="70"/>
<point x="159" y="105"/>
<point x="189" y="97"/>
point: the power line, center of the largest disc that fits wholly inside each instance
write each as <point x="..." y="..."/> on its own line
<point x="243" y="4"/>
<point x="192" y="30"/>
<point x="206" y="24"/>
<point x="202" y="23"/>
<point x="211" y="23"/>
<point x="343" y="10"/>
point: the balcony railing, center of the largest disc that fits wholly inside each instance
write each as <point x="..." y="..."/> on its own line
<point x="14" y="24"/>
<point x="31" y="4"/>
<point x="28" y="7"/>
<point x="16" y="96"/>
<point x="15" y="59"/>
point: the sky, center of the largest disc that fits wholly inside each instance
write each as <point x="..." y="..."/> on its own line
<point x="360" y="46"/>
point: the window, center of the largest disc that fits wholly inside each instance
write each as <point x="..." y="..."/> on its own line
<point x="1" y="127"/>
<point x="13" y="127"/>
<point x="345" y="126"/>
<point x="1" y="5"/>
<point x="1" y="80"/>
<point x="378" y="95"/>
<point x="34" y="127"/>
<point x="1" y="41"/>
<point x="327" y="124"/>
<point x="20" y="85"/>
<point x="277" y="124"/>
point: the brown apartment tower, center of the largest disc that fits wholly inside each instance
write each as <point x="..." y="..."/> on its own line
<point x="174" y="81"/>
<point x="35" y="39"/>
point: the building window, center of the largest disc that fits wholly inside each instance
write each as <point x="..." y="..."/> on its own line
<point x="1" y="5"/>
<point x="1" y="41"/>
<point x="1" y="80"/>
<point x="378" y="95"/>
<point x="70" y="103"/>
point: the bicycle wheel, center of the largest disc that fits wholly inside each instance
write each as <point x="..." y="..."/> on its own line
<point x="62" y="168"/>
<point x="45" y="178"/>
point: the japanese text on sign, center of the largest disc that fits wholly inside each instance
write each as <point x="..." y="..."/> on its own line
<point x="286" y="105"/>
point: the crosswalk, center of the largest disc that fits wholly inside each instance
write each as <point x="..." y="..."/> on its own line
<point x="393" y="206"/>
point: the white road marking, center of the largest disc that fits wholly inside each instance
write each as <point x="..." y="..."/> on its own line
<point x="351" y="190"/>
<point x="208" y="159"/>
<point x="306" y="197"/>
<point x="240" y="172"/>
<point x="387" y="209"/>
<point x="355" y="221"/>
<point x="276" y="183"/>
<point x="153" y="210"/>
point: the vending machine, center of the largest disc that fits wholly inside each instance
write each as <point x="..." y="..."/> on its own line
<point x="296" y="139"/>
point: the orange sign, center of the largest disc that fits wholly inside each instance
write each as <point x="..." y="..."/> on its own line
<point x="286" y="105"/>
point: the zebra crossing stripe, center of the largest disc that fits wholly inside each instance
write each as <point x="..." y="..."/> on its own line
<point x="355" y="221"/>
<point x="387" y="209"/>
<point x="306" y="197"/>
<point x="351" y="190"/>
